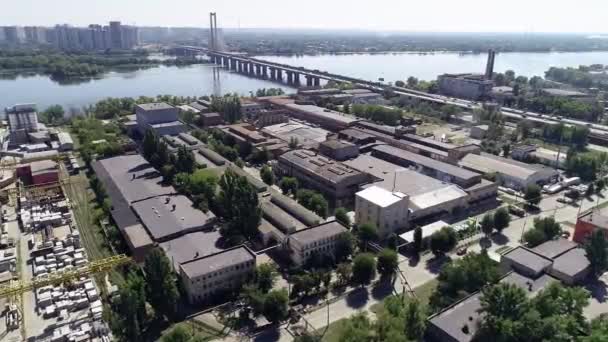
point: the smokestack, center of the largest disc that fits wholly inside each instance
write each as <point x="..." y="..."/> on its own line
<point x="490" y="64"/>
<point x="211" y="32"/>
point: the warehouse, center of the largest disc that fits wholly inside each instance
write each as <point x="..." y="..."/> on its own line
<point x="509" y="173"/>
<point x="328" y="119"/>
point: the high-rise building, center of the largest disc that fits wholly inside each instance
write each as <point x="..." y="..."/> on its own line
<point x="13" y="34"/>
<point x="85" y="37"/>
<point x="98" y="38"/>
<point x="116" y="34"/>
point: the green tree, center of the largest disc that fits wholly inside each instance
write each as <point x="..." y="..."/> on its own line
<point x="599" y="185"/>
<point x="590" y="190"/>
<point x="178" y="334"/>
<point x="265" y="276"/>
<point x="289" y="185"/>
<point x="307" y="337"/>
<point x="185" y="160"/>
<point x="596" y="249"/>
<point x="267" y="175"/>
<point x="366" y="233"/>
<point x="415" y="320"/>
<point x="344" y="272"/>
<point x="548" y="226"/>
<point x="52" y="114"/>
<point x="487" y="224"/>
<point x="149" y="144"/>
<point x="400" y="84"/>
<point x="417" y="240"/>
<point x="532" y="194"/>
<point x="501" y="219"/>
<point x="345" y="246"/>
<point x="412" y="82"/>
<point x="534" y="237"/>
<point x="313" y="201"/>
<point x="388" y="261"/>
<point x="239" y="205"/>
<point x="302" y="284"/>
<point x="130" y="316"/>
<point x="443" y="241"/>
<point x="503" y="305"/>
<point x="161" y="284"/>
<point x="364" y="268"/>
<point x="342" y="216"/>
<point x="276" y="305"/>
<point x="506" y="150"/>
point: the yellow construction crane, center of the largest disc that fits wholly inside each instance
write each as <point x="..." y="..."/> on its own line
<point x="16" y="288"/>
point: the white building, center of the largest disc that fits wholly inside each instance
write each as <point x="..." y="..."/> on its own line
<point x="160" y="117"/>
<point x="319" y="239"/>
<point x="388" y="211"/>
<point x="211" y="275"/>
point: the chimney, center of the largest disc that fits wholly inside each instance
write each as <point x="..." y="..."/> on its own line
<point x="490" y="64"/>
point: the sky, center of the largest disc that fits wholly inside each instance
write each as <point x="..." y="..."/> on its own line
<point x="379" y="15"/>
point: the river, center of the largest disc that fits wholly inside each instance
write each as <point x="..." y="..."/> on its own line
<point x="184" y="81"/>
<point x="427" y="66"/>
<point x="200" y="80"/>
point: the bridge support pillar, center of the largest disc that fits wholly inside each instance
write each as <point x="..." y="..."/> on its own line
<point x="316" y="81"/>
<point x="308" y="81"/>
<point x="258" y="70"/>
<point x="296" y="78"/>
<point x="289" y="77"/>
<point x="232" y="64"/>
<point x="279" y="74"/>
<point x="226" y="62"/>
<point x="264" y="71"/>
<point x="239" y="66"/>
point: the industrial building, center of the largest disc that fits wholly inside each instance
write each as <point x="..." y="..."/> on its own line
<point x="145" y="211"/>
<point x="338" y="150"/>
<point x="509" y="173"/>
<point x="337" y="181"/>
<point x="328" y="119"/>
<point x="208" y="277"/>
<point x="22" y="120"/>
<point x="39" y="172"/>
<point x="388" y="211"/>
<point x="306" y="135"/>
<point x="160" y="117"/>
<point x="530" y="269"/>
<point x="588" y="222"/>
<point x="65" y="141"/>
<point x="466" y="86"/>
<point x="479" y="132"/>
<point x="320" y="240"/>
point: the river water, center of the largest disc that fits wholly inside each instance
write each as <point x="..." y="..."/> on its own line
<point x="203" y="80"/>
<point x="427" y="66"/>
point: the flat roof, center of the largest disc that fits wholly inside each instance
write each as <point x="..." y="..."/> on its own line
<point x="336" y="144"/>
<point x="572" y="262"/>
<point x="191" y="246"/>
<point x="329" y="169"/>
<point x="322" y="113"/>
<point x="428" y="141"/>
<point x="162" y="221"/>
<point x="595" y="218"/>
<point x="528" y="258"/>
<point x="554" y="248"/>
<point x="220" y="260"/>
<point x="427" y="230"/>
<point x="437" y="197"/>
<point x="430" y="163"/>
<point x="404" y="180"/>
<point x="380" y="196"/>
<point x="357" y="134"/>
<point x="154" y="106"/>
<point x="137" y="236"/>
<point x="305" y="133"/>
<point x="486" y="164"/>
<point x="167" y="124"/>
<point x="316" y="233"/>
<point x="43" y="166"/>
<point x="131" y="177"/>
<point x="562" y="92"/>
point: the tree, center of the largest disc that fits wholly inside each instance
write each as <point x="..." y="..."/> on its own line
<point x="313" y="201"/>
<point x="501" y="219"/>
<point x="412" y="82"/>
<point x="239" y="206"/>
<point x="364" y="268"/>
<point x="289" y="185"/>
<point x="342" y="216"/>
<point x="265" y="276"/>
<point x="267" y="175"/>
<point x="590" y="190"/>
<point x="443" y="241"/>
<point x="161" y="284"/>
<point x="52" y="114"/>
<point x="178" y="334"/>
<point x="599" y="185"/>
<point x="388" y="261"/>
<point x="276" y="305"/>
<point x="487" y="224"/>
<point x="400" y="84"/>
<point x="302" y="283"/>
<point x="344" y="272"/>
<point x="534" y="237"/>
<point x="506" y="150"/>
<point x="596" y="249"/>
<point x="548" y="226"/>
<point x="149" y="144"/>
<point x="345" y="246"/>
<point x="415" y="320"/>
<point x="130" y="316"/>
<point x="417" y="240"/>
<point x="185" y="160"/>
<point x="532" y="195"/>
<point x="502" y="304"/>
<point x="367" y="232"/>
<point x="307" y="337"/>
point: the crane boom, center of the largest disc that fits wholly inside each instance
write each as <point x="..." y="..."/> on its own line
<point x="93" y="267"/>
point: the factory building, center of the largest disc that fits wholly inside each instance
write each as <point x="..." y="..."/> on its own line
<point x="338" y="150"/>
<point x="467" y="86"/>
<point x="388" y="211"/>
<point x="337" y="181"/>
<point x="326" y="118"/>
<point x="22" y="120"/>
<point x="160" y="117"/>
<point x="320" y="240"/>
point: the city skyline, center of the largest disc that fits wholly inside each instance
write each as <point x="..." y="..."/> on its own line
<point x="384" y="15"/>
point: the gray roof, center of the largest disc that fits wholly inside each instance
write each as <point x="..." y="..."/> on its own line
<point x="336" y="144"/>
<point x="405" y="180"/>
<point x="326" y="168"/>
<point x="137" y="236"/>
<point x="319" y="232"/>
<point x="562" y="92"/>
<point x="430" y="163"/>
<point x="357" y="134"/>
<point x="217" y="261"/>
<point x="163" y="222"/>
<point x="572" y="262"/>
<point x="440" y="145"/>
<point x="154" y="106"/>
<point x="117" y="173"/>
<point x="186" y="247"/>
<point x="527" y="258"/>
<point x="295" y="209"/>
<point x="256" y="183"/>
<point x="322" y="113"/>
<point x="279" y="218"/>
<point x="485" y="164"/>
<point x="554" y="248"/>
<point x="532" y="286"/>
